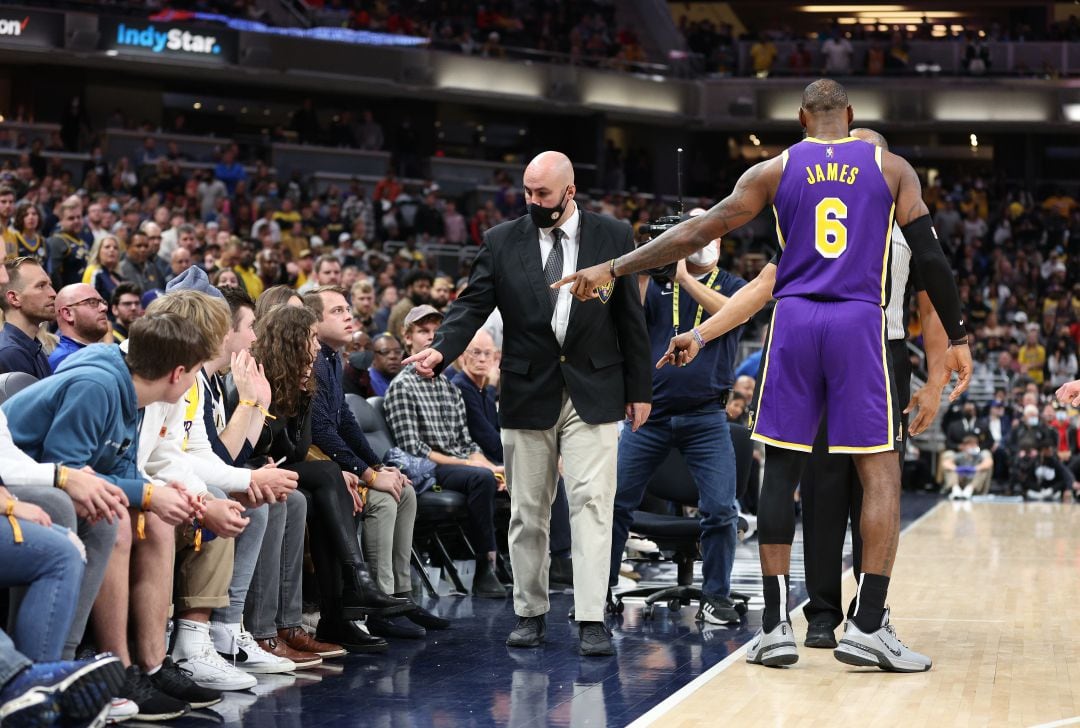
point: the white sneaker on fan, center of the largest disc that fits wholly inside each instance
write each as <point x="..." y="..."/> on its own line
<point x="240" y="648"/>
<point x="194" y="652"/>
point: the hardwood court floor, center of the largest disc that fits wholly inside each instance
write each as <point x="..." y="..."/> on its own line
<point x="990" y="590"/>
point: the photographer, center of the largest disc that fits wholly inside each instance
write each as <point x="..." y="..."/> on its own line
<point x="1026" y="444"/>
<point x="688" y="413"/>
<point x="1045" y="477"/>
<point x="967" y="469"/>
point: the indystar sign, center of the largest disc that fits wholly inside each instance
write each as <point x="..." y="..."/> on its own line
<point x="172" y="39"/>
<point x="177" y="40"/>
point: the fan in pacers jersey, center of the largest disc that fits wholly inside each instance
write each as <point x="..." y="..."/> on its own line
<point x="835" y="199"/>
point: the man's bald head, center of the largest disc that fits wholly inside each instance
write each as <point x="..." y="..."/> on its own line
<point x="482" y="339"/>
<point x="869" y="135"/>
<point x="824" y="96"/>
<point x="81" y="313"/>
<point x="552" y="167"/>
<point x="74" y="293"/>
<point x="549" y="182"/>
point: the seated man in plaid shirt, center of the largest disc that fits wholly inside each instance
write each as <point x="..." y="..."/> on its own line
<point x="427" y="417"/>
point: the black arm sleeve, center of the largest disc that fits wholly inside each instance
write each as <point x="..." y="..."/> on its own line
<point x="936" y="275"/>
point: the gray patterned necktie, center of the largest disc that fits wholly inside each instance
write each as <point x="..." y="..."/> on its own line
<point x="553" y="266"/>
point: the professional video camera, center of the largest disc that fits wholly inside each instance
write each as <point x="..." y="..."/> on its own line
<point x="655" y="227"/>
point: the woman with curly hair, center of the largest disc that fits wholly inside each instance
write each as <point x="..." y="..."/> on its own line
<point x="286" y="347"/>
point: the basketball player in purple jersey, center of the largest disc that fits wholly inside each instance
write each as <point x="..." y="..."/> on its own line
<point x="835" y="199"/>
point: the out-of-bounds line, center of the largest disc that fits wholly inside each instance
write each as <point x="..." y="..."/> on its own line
<point x="697" y="683"/>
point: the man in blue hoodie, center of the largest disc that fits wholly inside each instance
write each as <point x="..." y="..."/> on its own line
<point x="87" y="415"/>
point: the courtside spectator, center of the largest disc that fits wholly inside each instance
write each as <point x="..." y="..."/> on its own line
<point x="27" y="300"/>
<point x="81" y="319"/>
<point x="428" y="419"/>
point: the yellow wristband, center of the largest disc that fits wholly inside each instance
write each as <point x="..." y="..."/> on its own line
<point x="140" y="524"/>
<point x="256" y="405"/>
<point x="16" y="530"/>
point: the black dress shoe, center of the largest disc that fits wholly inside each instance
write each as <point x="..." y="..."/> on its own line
<point x="486" y="584"/>
<point x="529" y="632"/>
<point x="395" y="628"/>
<point x="361" y="596"/>
<point x="350" y="636"/>
<point x="427" y="620"/>
<point x="820" y="635"/>
<point x="595" y="639"/>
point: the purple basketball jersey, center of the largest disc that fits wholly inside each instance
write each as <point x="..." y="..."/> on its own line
<point x="834" y="216"/>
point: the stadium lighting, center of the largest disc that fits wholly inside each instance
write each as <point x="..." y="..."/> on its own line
<point x="854" y="8"/>
<point x="974" y="141"/>
<point x="196" y="106"/>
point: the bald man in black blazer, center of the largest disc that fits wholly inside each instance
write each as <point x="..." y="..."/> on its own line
<point x="570" y="371"/>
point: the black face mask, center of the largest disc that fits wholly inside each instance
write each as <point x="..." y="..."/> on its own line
<point x="546" y="217"/>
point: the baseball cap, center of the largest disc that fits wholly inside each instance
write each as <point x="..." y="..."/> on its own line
<point x="421" y="312"/>
<point x="343" y="237"/>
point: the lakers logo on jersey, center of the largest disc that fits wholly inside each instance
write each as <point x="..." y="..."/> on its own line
<point x="829" y="152"/>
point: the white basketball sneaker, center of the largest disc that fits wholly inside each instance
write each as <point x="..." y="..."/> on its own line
<point x="881" y="649"/>
<point x="773" y="649"/>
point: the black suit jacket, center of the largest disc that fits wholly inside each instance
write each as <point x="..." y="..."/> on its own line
<point x="604" y="362"/>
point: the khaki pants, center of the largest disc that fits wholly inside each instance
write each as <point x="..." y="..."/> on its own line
<point x="532" y="472"/>
<point x="387" y="534"/>
<point x="980" y="482"/>
<point x="202" y="577"/>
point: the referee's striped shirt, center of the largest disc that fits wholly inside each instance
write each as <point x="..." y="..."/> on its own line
<point x="900" y="273"/>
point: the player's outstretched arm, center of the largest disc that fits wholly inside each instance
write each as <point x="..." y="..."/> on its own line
<point x="752" y="192"/>
<point x="745" y="302"/>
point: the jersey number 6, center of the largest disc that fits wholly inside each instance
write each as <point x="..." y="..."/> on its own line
<point x="830" y="235"/>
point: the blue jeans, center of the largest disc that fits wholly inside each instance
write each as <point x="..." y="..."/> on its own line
<point x="274" y="600"/>
<point x="705" y="442"/>
<point x="248" y="545"/>
<point x="49" y="564"/>
<point x="12" y="662"/>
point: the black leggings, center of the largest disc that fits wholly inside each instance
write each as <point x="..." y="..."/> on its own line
<point x="332" y="532"/>
<point x="776" y="503"/>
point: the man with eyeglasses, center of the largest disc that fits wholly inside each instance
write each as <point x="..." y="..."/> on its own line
<point x="387" y="363"/>
<point x="80" y="320"/>
<point x="27" y="300"/>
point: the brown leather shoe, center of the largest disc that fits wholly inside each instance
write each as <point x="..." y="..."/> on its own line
<point x="302" y="660"/>
<point x="298" y="639"/>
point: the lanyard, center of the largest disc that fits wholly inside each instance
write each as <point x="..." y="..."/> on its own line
<point x="24" y="244"/>
<point x="675" y="302"/>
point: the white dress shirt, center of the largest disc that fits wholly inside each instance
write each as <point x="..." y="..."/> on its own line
<point x="561" y="317"/>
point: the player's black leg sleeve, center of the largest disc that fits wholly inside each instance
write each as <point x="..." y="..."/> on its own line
<point x="936" y="274"/>
<point x="776" y="504"/>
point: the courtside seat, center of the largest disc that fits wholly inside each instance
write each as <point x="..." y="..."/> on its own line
<point x="437" y="511"/>
<point x="12" y="383"/>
